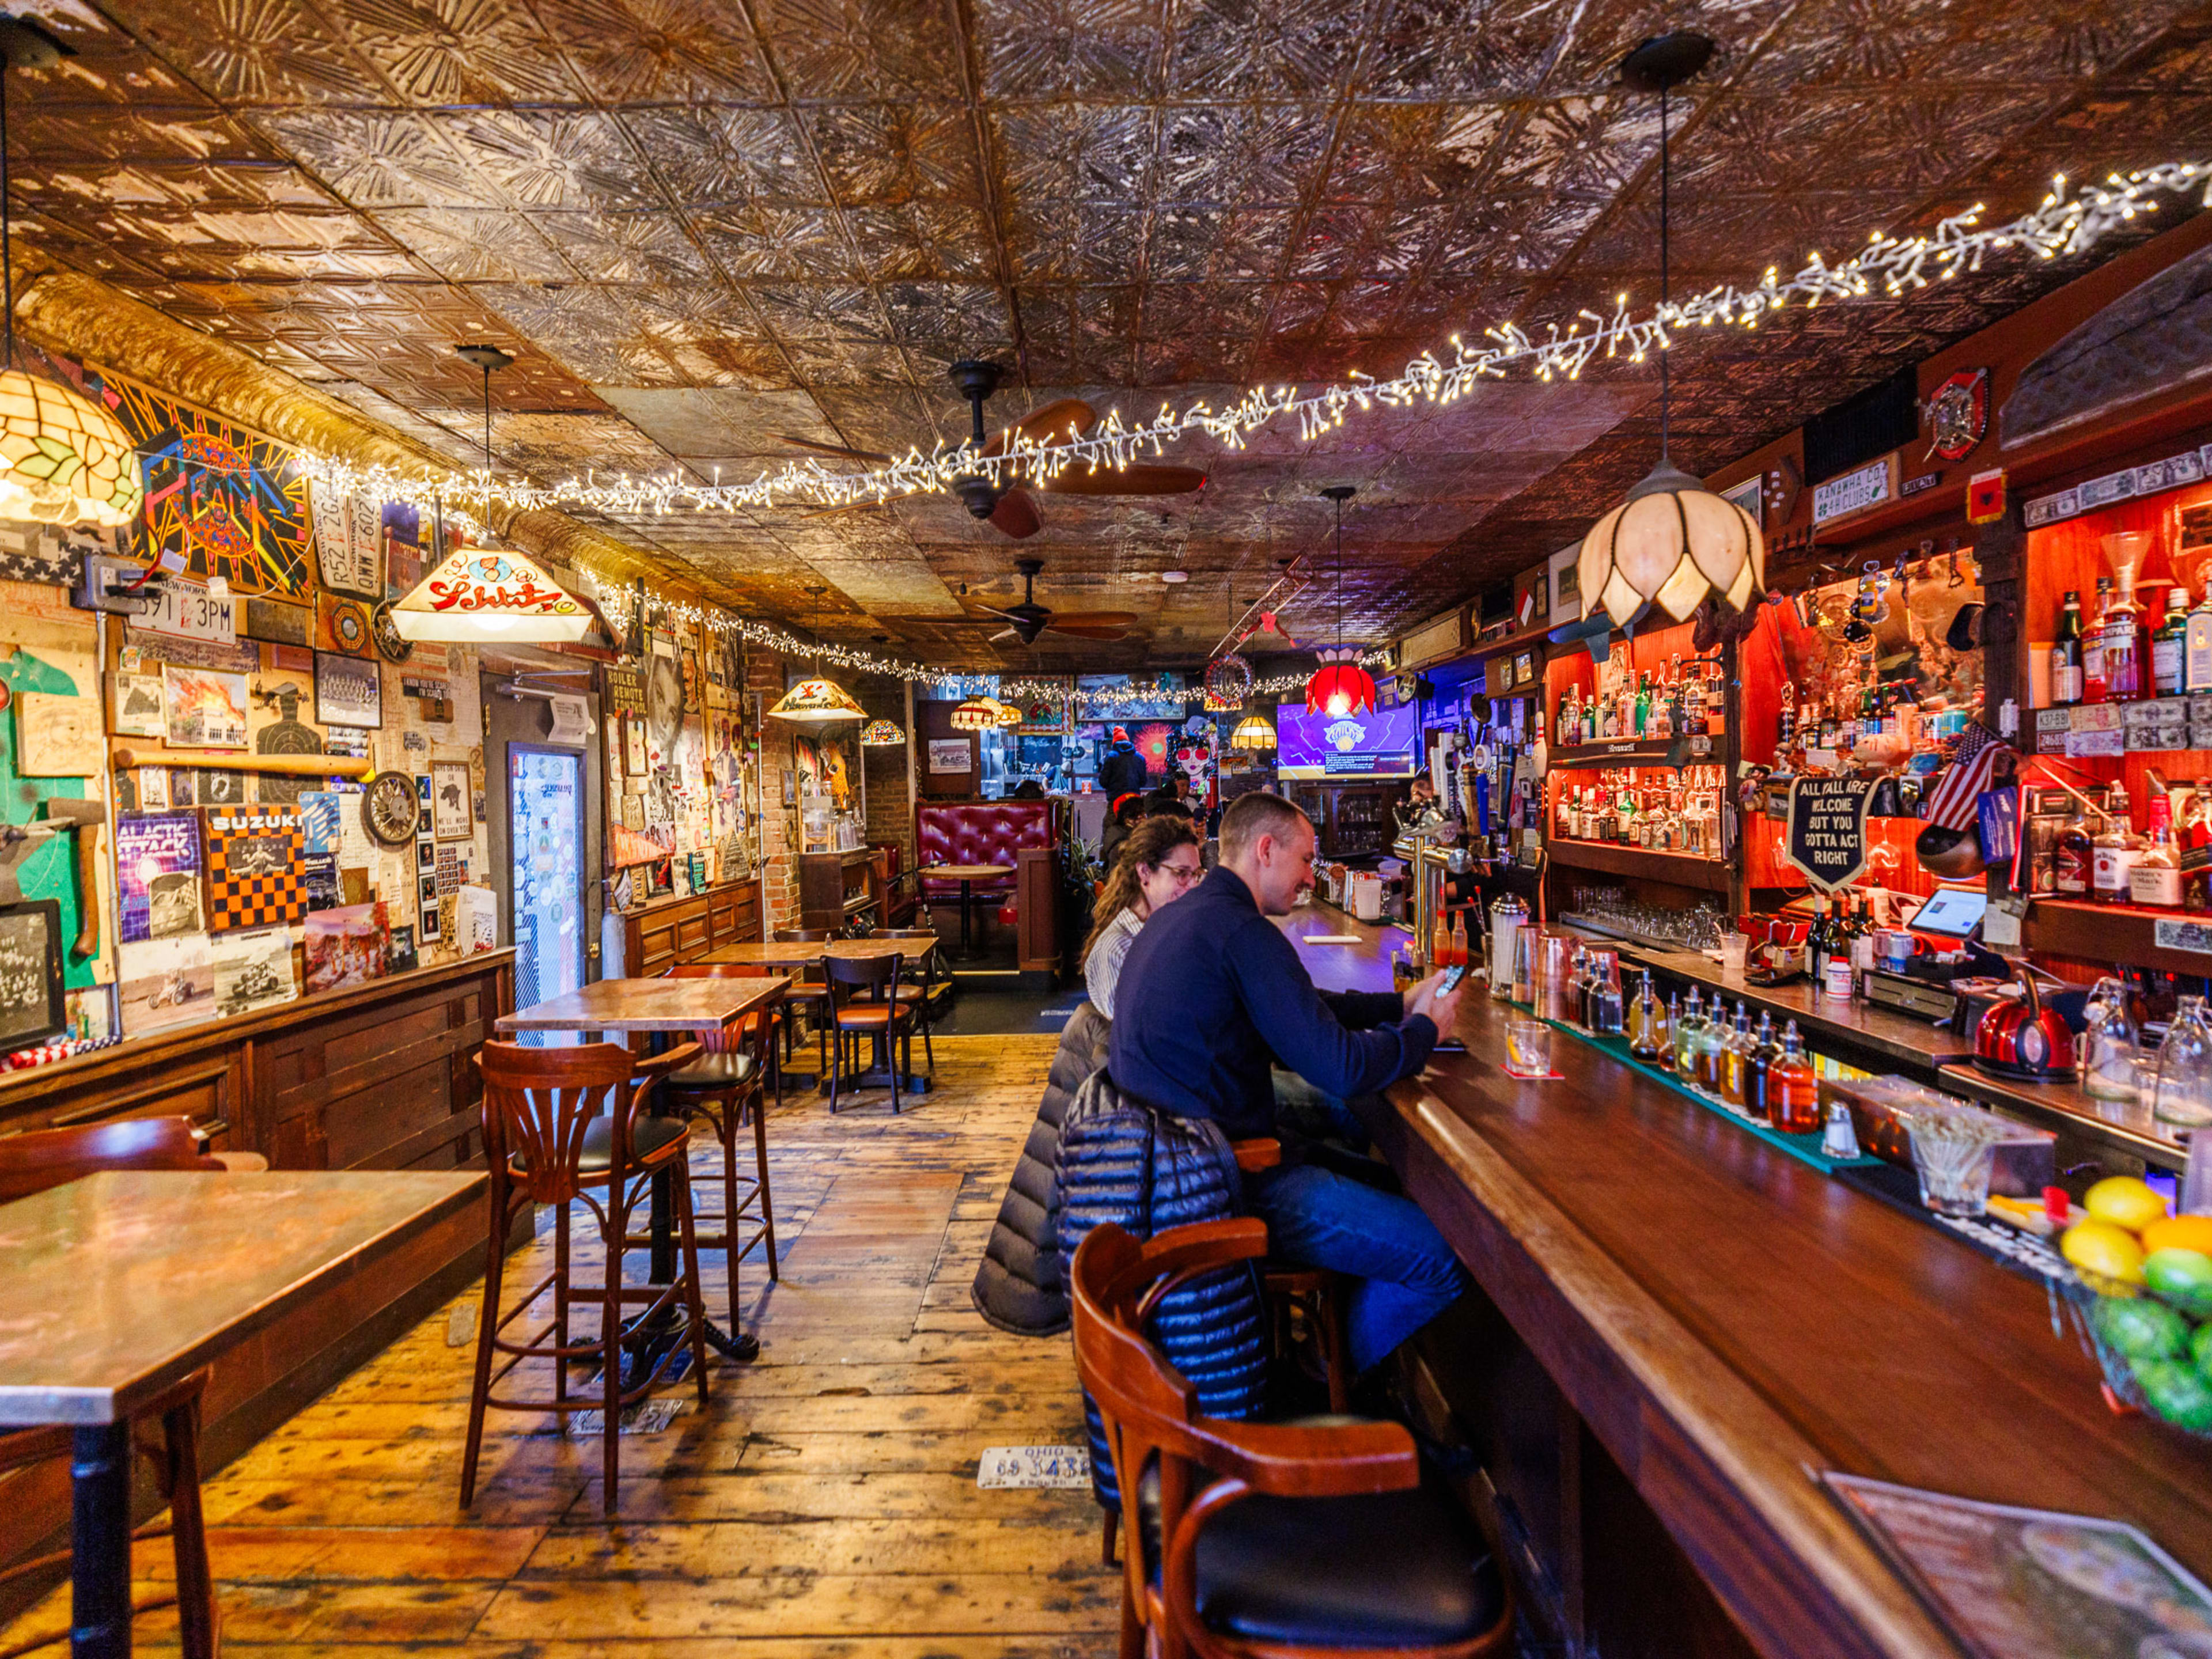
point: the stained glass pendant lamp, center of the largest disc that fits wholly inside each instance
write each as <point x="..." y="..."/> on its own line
<point x="882" y="734"/>
<point x="490" y="595"/>
<point x="1672" y="542"/>
<point x="1340" y="686"/>
<point x="1253" y="735"/>
<point x="977" y="714"/>
<point x="818" y="702"/>
<point x="64" y="459"/>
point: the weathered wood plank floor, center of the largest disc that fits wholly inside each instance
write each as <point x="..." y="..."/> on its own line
<point x="824" y="1503"/>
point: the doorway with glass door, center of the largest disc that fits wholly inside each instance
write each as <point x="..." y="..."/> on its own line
<point x="544" y="846"/>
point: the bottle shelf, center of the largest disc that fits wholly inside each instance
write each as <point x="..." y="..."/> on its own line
<point x="1681" y="869"/>
<point x="1641" y="751"/>
<point x="2110" y="933"/>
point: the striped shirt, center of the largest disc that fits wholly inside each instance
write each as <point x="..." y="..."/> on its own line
<point x="1101" y="968"/>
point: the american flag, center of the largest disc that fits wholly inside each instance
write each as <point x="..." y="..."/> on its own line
<point x="1951" y="804"/>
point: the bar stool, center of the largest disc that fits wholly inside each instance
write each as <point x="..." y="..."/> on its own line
<point x="727" y="1083"/>
<point x="31" y="1163"/>
<point x="1315" y="1292"/>
<point x="806" y="995"/>
<point x="881" y="1016"/>
<point x="1293" y="1541"/>
<point x="564" y="1126"/>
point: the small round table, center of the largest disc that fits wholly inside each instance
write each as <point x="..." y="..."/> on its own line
<point x="964" y="874"/>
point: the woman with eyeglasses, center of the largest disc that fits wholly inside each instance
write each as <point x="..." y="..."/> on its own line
<point x="1158" y="863"/>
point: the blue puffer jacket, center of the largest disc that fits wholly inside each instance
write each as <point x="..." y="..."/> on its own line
<point x="1120" y="1160"/>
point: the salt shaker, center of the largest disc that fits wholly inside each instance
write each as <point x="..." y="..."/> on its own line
<point x="1838" y="1138"/>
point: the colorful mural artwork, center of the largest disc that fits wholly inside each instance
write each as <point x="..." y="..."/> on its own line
<point x="230" y="502"/>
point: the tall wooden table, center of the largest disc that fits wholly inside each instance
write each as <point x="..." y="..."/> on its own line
<point x="799" y="953"/>
<point x="965" y="874"/>
<point x="656" y="1008"/>
<point x="117" y="1286"/>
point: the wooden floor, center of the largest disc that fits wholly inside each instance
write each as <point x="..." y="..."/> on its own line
<point x="824" y="1503"/>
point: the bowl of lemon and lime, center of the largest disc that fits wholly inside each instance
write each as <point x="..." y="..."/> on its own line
<point x="2145" y="1297"/>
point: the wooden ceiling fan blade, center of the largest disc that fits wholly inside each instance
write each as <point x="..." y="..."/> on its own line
<point x="1006" y="636"/>
<point x="1056" y="422"/>
<point x="1016" y="516"/>
<point x="1140" y="480"/>
<point x="1101" y="627"/>
<point x="838" y="450"/>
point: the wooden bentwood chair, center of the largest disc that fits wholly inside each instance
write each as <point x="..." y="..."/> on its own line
<point x="879" y="1015"/>
<point x="1265" y="1541"/>
<point x="564" y="1127"/>
<point x="31" y="1163"/>
<point x="725" y="1084"/>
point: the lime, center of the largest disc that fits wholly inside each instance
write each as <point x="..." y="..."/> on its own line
<point x="2142" y="1329"/>
<point x="2125" y="1201"/>
<point x="2108" y="1254"/>
<point x="2182" y="1277"/>
<point x="2200" y="1349"/>
<point x="2180" y="1393"/>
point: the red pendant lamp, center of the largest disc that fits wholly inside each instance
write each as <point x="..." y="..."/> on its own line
<point x="1340" y="686"/>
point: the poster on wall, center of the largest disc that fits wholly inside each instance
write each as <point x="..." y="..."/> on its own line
<point x="253" y="858"/>
<point x="949" y="755"/>
<point x="165" y="981"/>
<point x="348" y="691"/>
<point x="253" y="971"/>
<point x="157" y="875"/>
<point x="141" y="708"/>
<point x="450" y="817"/>
<point x="206" y="709"/>
<point x="347" y="945"/>
<point x="228" y="502"/>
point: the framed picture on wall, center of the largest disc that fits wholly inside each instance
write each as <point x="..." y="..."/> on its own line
<point x="32" y="1004"/>
<point x="450" y="816"/>
<point x="790" y="786"/>
<point x="348" y="691"/>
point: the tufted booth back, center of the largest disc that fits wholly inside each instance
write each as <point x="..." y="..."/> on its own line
<point x="979" y="832"/>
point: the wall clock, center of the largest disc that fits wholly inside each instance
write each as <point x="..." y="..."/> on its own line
<point x="389" y="808"/>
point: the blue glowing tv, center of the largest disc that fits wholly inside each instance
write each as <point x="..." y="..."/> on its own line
<point x="1383" y="743"/>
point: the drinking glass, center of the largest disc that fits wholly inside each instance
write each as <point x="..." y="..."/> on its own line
<point x="1953" y="1147"/>
<point x="2184" y="1094"/>
<point x="1734" y="945"/>
<point x="1528" y="1047"/>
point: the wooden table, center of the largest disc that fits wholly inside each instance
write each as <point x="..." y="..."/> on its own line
<point x="799" y="953"/>
<point x="115" y="1287"/>
<point x="657" y="1007"/>
<point x="1685" y="1320"/>
<point x="966" y="873"/>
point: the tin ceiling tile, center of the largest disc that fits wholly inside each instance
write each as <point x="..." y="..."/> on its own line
<point x="1090" y="49"/>
<point x="255" y="53"/>
<point x="624" y="247"/>
<point x="821" y="311"/>
<point x="768" y="240"/>
<point x="1242" y="155"/>
<point x="673" y="51"/>
<point x="706" y="156"/>
<point x="923" y="239"/>
<point x="1075" y="152"/>
<point x="374" y="158"/>
<point x="473" y="245"/>
<point x="1055" y="240"/>
<point x="1454" y="49"/>
<point x="886" y="154"/>
<point x="823" y="364"/>
<point x="1273" y="49"/>
<point x="973" y="316"/>
<point x="460" y="52"/>
<point x="550" y="158"/>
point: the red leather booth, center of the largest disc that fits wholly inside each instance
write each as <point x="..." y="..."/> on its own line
<point x="979" y="832"/>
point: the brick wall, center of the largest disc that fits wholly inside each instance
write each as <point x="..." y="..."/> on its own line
<point x="779" y="838"/>
<point x="889" y="819"/>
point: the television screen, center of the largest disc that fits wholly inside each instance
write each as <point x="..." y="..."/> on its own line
<point x="1383" y="743"/>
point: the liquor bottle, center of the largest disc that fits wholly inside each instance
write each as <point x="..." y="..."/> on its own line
<point x="1793" y="1093"/>
<point x="1589" y="717"/>
<point x="1712" y="1046"/>
<point x="2168" y="660"/>
<point x="2073" y="859"/>
<point x="2123" y="664"/>
<point x="2093" y="688"/>
<point x="1763" y="1049"/>
<point x="1458" y="958"/>
<point x="2196" y="646"/>
<point x="2066" y="654"/>
<point x="1818" y="944"/>
<point x="1687" y="1026"/>
<point x="1563" y="816"/>
<point x="1647" y="1022"/>
<point x="1608" y="719"/>
<point x="1831" y="730"/>
<point x="2155" y="879"/>
<point x="1669" y="1050"/>
<point x="1862" y="945"/>
<point x="2114" y="851"/>
<point x="1644" y="703"/>
<point x="1736" y="1058"/>
<point x="2195" y="850"/>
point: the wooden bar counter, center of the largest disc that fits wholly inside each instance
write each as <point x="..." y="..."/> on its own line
<point x="1715" y="1321"/>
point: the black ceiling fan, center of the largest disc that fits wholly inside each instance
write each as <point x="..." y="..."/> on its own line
<point x="1030" y="619"/>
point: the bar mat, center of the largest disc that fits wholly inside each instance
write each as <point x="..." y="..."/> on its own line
<point x="1806" y="1148"/>
<point x="2022" y="1253"/>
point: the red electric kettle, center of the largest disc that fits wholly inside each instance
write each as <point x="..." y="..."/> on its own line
<point x="2019" y="1037"/>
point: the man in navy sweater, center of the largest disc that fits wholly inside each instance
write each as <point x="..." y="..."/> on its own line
<point x="1211" y="993"/>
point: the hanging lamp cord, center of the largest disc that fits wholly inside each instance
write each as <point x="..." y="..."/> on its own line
<point x="1666" y="290"/>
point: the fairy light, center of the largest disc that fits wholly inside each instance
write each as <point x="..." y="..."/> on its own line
<point x="2062" y="223"/>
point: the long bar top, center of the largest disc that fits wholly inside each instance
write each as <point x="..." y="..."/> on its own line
<point x="1727" y="1320"/>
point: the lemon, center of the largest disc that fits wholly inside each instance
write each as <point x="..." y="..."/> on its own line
<point x="2106" y="1253"/>
<point x="2125" y="1201"/>
<point x="2179" y="1232"/>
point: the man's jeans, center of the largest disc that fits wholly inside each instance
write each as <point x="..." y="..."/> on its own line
<point x="1407" y="1273"/>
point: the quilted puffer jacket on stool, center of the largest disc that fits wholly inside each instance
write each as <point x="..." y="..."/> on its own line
<point x="1122" y="1162"/>
<point x="1018" y="1287"/>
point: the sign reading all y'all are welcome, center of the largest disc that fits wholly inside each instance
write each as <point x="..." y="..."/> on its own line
<point x="1827" y="829"/>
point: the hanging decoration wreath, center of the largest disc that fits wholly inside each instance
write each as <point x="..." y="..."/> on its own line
<point x="1228" y="681"/>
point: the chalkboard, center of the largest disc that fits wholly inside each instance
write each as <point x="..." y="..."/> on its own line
<point x="1827" y="829"/>
<point x="31" y="1003"/>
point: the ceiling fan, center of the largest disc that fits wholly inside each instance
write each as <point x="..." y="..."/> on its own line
<point x="1030" y="619"/>
<point x="1011" y="508"/>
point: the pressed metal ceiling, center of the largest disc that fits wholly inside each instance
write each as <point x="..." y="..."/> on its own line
<point x="702" y="222"/>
